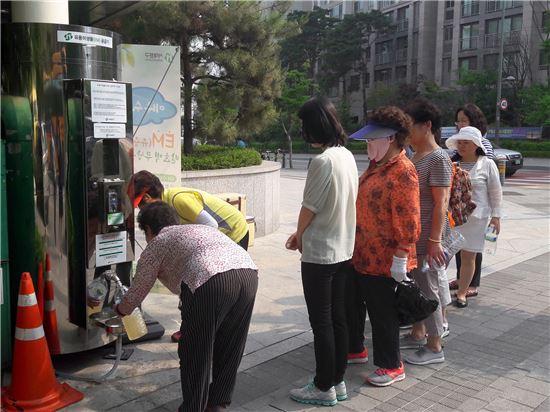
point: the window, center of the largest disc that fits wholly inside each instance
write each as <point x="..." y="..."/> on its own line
<point x="401" y="45"/>
<point x="354" y="83"/>
<point x="415" y="46"/>
<point x="490" y="61"/>
<point x="333" y="91"/>
<point x="382" y="75"/>
<point x="512" y="31"/>
<point x="402" y="19"/>
<point x="545" y="18"/>
<point x="448" y="33"/>
<point x="337" y="12"/>
<point x="356" y="6"/>
<point x="544" y="58"/>
<point x="383" y="52"/>
<point x="401" y="73"/>
<point x="446" y="72"/>
<point x="495" y="5"/>
<point x="449" y="10"/>
<point x="470" y="8"/>
<point x="468" y="36"/>
<point x="468" y="64"/>
<point x="367" y="79"/>
<point x="416" y="14"/>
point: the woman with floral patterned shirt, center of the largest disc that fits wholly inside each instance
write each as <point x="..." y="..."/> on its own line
<point x="217" y="282"/>
<point x="388" y="226"/>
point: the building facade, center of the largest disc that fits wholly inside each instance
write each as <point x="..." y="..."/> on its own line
<point x="438" y="40"/>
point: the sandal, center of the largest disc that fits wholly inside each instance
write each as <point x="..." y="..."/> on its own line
<point x="461" y="303"/>
<point x="453" y="285"/>
<point x="470" y="293"/>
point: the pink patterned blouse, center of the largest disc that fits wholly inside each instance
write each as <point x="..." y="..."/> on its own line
<point x="191" y="254"/>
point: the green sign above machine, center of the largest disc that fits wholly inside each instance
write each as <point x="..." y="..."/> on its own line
<point x="89" y="39"/>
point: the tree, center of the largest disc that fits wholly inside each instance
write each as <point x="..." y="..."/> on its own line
<point x="347" y="47"/>
<point x="302" y="51"/>
<point x="297" y="90"/>
<point x="536" y="105"/>
<point x="479" y="87"/>
<point x="227" y="48"/>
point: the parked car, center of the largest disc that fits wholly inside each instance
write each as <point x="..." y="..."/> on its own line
<point x="514" y="159"/>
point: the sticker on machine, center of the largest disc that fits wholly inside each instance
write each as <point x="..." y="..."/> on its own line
<point x="109" y="130"/>
<point x="110" y="248"/>
<point x="89" y="39"/>
<point x="108" y="102"/>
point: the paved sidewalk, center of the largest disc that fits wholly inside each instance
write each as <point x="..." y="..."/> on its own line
<point x="497" y="352"/>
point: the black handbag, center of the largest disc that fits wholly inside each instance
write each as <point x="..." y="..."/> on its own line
<point x="412" y="305"/>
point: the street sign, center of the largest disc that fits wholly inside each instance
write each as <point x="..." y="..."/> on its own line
<point x="503" y="104"/>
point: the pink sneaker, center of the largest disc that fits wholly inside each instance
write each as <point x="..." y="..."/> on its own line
<point x="361" y="357"/>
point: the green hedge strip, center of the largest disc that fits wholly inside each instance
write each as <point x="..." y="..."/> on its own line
<point x="207" y="157"/>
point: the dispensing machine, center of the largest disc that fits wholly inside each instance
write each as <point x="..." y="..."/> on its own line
<point x="68" y="135"/>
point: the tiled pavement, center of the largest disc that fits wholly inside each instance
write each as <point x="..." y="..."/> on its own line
<point x="497" y="359"/>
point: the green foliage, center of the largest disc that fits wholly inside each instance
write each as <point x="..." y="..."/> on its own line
<point x="302" y="51"/>
<point x="526" y="145"/>
<point x="479" y="86"/>
<point x="535" y="109"/>
<point x="206" y="157"/>
<point x="229" y="61"/>
<point x="344" y="112"/>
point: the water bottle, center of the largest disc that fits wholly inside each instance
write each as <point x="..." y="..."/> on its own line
<point x="134" y="325"/>
<point x="491" y="240"/>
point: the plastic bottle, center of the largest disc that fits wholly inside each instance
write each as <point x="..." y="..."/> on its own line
<point x="491" y="240"/>
<point x="134" y="325"/>
<point x="97" y="290"/>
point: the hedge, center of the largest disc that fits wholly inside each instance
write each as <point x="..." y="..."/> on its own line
<point x="206" y="157"/>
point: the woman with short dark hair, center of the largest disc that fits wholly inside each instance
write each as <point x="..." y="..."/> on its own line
<point x="434" y="170"/>
<point x="217" y="282"/>
<point x="325" y="237"/>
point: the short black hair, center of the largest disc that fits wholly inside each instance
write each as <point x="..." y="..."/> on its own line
<point x="421" y="110"/>
<point x="145" y="181"/>
<point x="157" y="215"/>
<point x="475" y="117"/>
<point x="320" y="123"/>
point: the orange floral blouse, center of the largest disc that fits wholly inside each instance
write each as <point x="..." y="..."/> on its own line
<point x="388" y="213"/>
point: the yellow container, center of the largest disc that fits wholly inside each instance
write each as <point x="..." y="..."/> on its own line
<point x="251" y="230"/>
<point x="134" y="325"/>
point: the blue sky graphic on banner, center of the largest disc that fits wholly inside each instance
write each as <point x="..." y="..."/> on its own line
<point x="159" y="110"/>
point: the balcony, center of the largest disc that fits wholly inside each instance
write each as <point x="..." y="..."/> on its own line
<point x="468" y="43"/>
<point x="401" y="55"/>
<point x="402" y="25"/>
<point x="384" y="58"/>
<point x="511" y="38"/>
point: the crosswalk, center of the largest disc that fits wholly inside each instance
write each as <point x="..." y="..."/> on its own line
<point x="536" y="179"/>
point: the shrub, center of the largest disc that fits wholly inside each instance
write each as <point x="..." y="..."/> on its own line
<point x="206" y="157"/>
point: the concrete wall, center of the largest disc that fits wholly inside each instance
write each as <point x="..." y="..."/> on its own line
<point x="260" y="184"/>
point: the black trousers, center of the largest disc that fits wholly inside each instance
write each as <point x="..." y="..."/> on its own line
<point x="215" y="321"/>
<point x="477" y="272"/>
<point x="379" y="294"/>
<point x="244" y="241"/>
<point x="325" y="293"/>
<point x="356" y="312"/>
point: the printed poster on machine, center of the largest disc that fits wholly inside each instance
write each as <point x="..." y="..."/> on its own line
<point x="156" y="110"/>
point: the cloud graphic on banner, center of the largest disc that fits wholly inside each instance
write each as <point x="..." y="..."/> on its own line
<point x="159" y="110"/>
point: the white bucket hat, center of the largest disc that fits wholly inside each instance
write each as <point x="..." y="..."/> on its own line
<point x="466" y="133"/>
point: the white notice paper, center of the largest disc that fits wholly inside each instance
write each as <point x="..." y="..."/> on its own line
<point x="110" y="248"/>
<point x="108" y="102"/>
<point x="109" y="130"/>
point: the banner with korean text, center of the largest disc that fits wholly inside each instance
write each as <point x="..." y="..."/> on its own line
<point x="154" y="72"/>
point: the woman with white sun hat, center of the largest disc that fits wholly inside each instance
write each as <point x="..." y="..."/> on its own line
<point x="487" y="194"/>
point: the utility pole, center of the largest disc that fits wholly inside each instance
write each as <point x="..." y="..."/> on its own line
<point x="499" y="77"/>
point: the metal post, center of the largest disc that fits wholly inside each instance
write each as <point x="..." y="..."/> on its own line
<point x="502" y="171"/>
<point x="499" y="77"/>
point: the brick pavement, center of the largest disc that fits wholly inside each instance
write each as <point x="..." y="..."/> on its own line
<point x="497" y="359"/>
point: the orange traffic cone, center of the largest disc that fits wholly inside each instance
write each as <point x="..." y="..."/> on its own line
<point x="33" y="383"/>
<point x="50" y="315"/>
<point x="40" y="289"/>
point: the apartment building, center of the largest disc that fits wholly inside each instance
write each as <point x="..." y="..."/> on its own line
<point x="437" y="40"/>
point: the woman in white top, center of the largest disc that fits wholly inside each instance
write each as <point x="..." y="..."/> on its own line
<point x="487" y="194"/>
<point x="325" y="236"/>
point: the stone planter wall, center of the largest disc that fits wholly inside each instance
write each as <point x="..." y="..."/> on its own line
<point x="260" y="184"/>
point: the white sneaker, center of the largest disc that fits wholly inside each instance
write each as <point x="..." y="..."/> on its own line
<point x="341" y="392"/>
<point x="446" y="331"/>
<point x="312" y="395"/>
